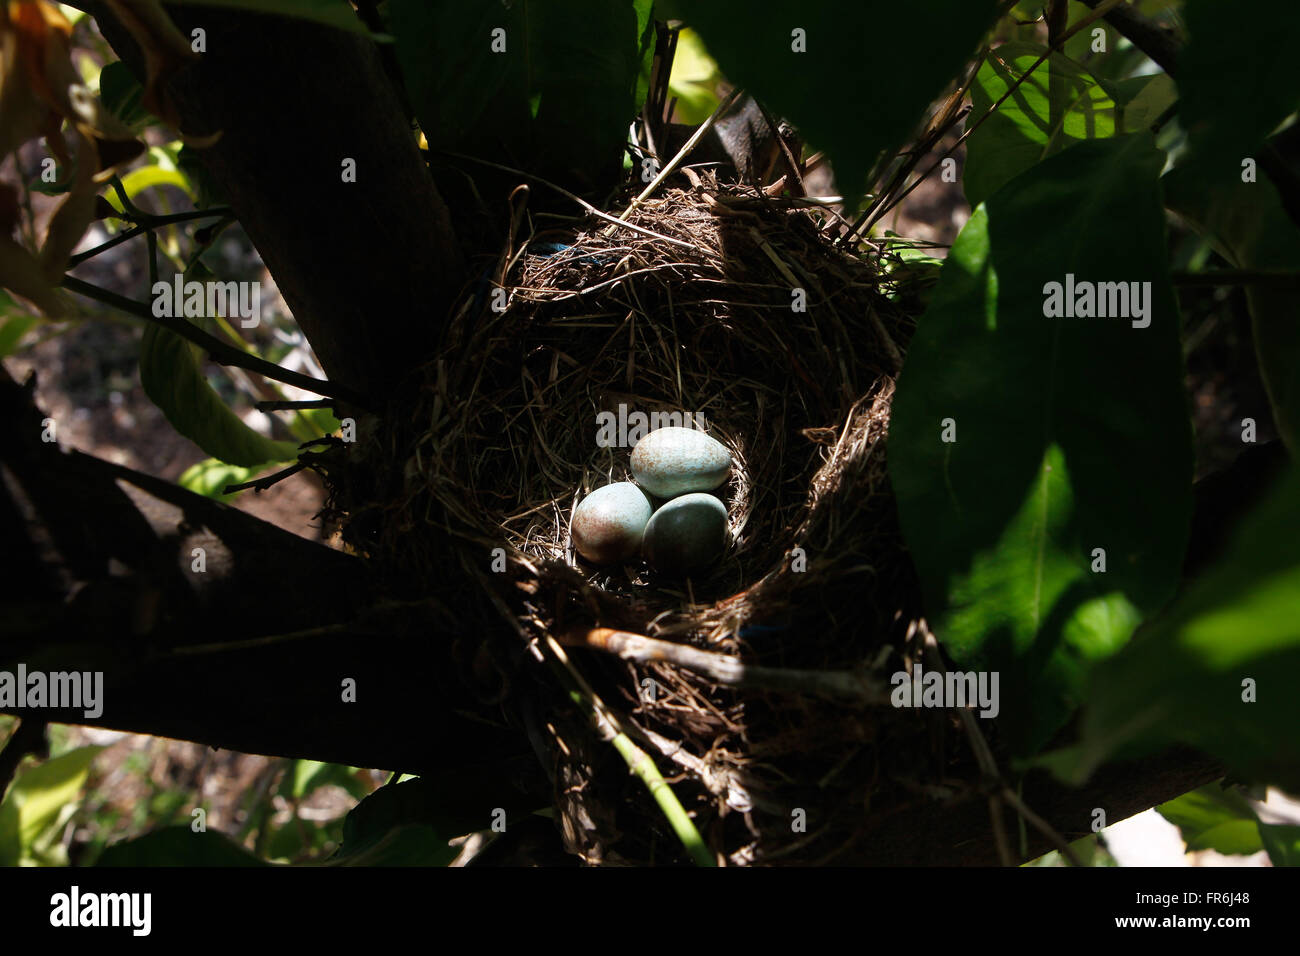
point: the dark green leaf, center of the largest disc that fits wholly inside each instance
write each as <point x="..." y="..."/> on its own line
<point x="645" y="26"/>
<point x="121" y="92"/>
<point x="870" y="70"/>
<point x="1214" y="818"/>
<point x="1252" y="231"/>
<point x="451" y="804"/>
<point x="1219" y="669"/>
<point x="1237" y="78"/>
<point x="556" y="102"/>
<point x="203" y="187"/>
<point x="413" y="844"/>
<point x="171" y="377"/>
<point x="1071" y="434"/>
<point x="1282" y="843"/>
<point x="178" y="846"/>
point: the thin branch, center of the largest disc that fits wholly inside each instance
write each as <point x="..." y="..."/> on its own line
<point x="266" y="481"/>
<point x="1102" y="8"/>
<point x="217" y="350"/>
<point x="989" y="769"/>
<point x="578" y="199"/>
<point x="1000" y="831"/>
<point x="732" y="671"/>
<point x="1041" y="825"/>
<point x="285" y="406"/>
<point x="638" y="761"/>
<point x="145" y="224"/>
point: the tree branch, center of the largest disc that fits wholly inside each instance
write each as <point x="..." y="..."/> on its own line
<point x="221" y="352"/>
<point x="105" y="580"/>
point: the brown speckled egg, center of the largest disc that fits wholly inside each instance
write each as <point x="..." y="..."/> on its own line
<point x="672" y="461"/>
<point x="608" y="523"/>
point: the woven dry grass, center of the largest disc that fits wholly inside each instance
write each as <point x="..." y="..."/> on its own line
<point x="469" y="494"/>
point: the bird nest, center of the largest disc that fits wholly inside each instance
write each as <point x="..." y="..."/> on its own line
<point x="756" y="688"/>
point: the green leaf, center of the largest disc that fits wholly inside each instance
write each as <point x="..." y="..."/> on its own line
<point x="1282" y="843"/>
<point x="121" y="93"/>
<point x="303" y="773"/>
<point x="150" y="177"/>
<point x="1237" y="78"/>
<point x="1218" y="670"/>
<point x="694" y="79"/>
<point x="179" y="846"/>
<point x="1071" y="434"/>
<point x="323" y="420"/>
<point x="15" y="323"/>
<point x="201" y="185"/>
<point x="171" y="377"/>
<point x="556" y="101"/>
<point x="1087" y="850"/>
<point x="645" y="26"/>
<point x="329" y="12"/>
<point x="1249" y="228"/>
<point x="210" y="476"/>
<point x="1060" y="104"/>
<point x="36" y="801"/>
<point x="309" y="775"/>
<point x="451" y="805"/>
<point x="870" y="69"/>
<point x="1143" y="99"/>
<point x="413" y="844"/>
<point x="1214" y="818"/>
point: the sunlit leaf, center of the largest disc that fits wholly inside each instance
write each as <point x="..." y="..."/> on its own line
<point x="36" y="799"/>
<point x="173" y="380"/>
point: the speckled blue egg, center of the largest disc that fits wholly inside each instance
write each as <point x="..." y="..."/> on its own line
<point x="609" y="523"/>
<point x="673" y="461"/>
<point x="686" y="534"/>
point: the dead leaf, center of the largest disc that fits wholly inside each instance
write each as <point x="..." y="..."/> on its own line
<point x="39" y="91"/>
<point x="166" y="51"/>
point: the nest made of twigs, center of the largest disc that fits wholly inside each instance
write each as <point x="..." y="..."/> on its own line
<point x="717" y="302"/>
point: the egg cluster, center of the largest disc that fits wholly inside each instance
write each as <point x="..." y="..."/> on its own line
<point x="683" y="535"/>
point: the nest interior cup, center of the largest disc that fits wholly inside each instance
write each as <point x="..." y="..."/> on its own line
<point x="695" y="325"/>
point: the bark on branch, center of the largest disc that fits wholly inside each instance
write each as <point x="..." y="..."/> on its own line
<point x="248" y="654"/>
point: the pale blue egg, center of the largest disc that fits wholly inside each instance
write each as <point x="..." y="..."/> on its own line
<point x="672" y="461"/>
<point x="609" y="523"/>
<point x="686" y="534"/>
